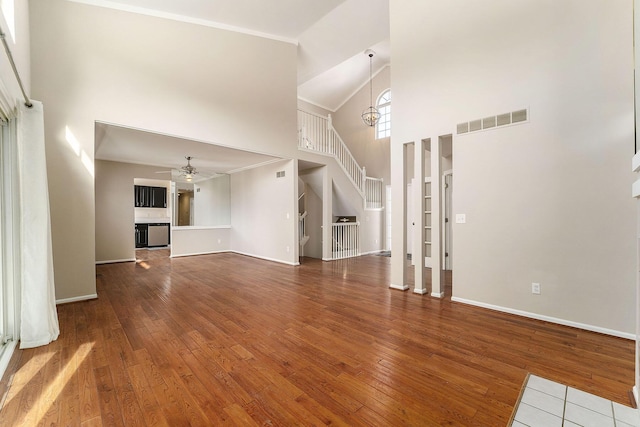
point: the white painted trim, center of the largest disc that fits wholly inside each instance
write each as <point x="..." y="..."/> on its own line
<point x="257" y="165"/>
<point x="635" y="163"/>
<point x="437" y="294"/>
<point x="198" y="227"/>
<point x="635" y="393"/>
<point x="377" y="251"/>
<point x="266" y="258"/>
<point x="77" y="299"/>
<point x="399" y="287"/>
<point x="5" y="358"/>
<point x="198" y="253"/>
<point x="113" y="261"/>
<point x="420" y="291"/>
<point x="316" y="104"/>
<point x="536" y="316"/>
<point x="181" y="18"/>
<point x="238" y="253"/>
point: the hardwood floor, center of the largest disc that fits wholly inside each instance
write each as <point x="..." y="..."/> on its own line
<point x="231" y="340"/>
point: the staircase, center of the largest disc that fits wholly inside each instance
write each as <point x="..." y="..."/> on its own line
<point x="317" y="135"/>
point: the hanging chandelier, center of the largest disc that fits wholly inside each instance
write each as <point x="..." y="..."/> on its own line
<point x="371" y="115"/>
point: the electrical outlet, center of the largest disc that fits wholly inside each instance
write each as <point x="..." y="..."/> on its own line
<point x="535" y="288"/>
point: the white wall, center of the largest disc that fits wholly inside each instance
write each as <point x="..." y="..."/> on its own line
<point x="211" y="201"/>
<point x="264" y="213"/>
<point x="194" y="240"/>
<point x="201" y="83"/>
<point x="546" y="201"/>
<point x="372" y="231"/>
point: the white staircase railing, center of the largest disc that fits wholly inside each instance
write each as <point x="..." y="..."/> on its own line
<point x="346" y="240"/>
<point x="302" y="229"/>
<point x="315" y="133"/>
<point x="373" y="193"/>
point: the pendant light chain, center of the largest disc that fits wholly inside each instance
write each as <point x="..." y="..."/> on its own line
<point x="370" y="116"/>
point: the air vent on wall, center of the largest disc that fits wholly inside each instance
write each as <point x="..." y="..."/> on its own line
<point x="517" y="116"/>
<point x="280" y="174"/>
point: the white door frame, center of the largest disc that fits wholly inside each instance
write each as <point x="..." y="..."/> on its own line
<point x="447" y="226"/>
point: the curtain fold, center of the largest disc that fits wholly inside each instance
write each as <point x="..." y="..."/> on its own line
<point x="38" y="315"/>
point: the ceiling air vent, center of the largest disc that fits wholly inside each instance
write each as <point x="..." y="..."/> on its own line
<point x="490" y="122"/>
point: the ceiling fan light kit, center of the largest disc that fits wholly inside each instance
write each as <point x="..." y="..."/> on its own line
<point x="188" y="171"/>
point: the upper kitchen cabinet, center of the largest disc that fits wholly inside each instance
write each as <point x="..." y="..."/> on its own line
<point x="150" y="197"/>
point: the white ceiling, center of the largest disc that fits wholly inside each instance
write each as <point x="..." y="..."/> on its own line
<point x="332" y="36"/>
<point x="121" y="144"/>
<point x="280" y="19"/>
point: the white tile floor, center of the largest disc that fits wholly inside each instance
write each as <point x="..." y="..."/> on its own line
<point x="546" y="403"/>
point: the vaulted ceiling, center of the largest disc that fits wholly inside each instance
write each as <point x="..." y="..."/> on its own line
<point x="331" y="37"/>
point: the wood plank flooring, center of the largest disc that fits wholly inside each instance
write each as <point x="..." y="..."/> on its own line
<point x="231" y="340"/>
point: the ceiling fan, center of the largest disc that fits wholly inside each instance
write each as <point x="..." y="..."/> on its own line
<point x="186" y="172"/>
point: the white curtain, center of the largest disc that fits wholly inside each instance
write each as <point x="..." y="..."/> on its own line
<point x="39" y="319"/>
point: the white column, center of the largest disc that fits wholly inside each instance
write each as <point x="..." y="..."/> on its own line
<point x="436" y="215"/>
<point x="398" y="217"/>
<point x="419" y="219"/>
<point x="635" y="191"/>
<point x="327" y="215"/>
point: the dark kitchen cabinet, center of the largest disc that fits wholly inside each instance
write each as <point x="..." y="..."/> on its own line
<point x="142" y="196"/>
<point x="142" y="235"/>
<point x="158" y="197"/>
<point x="150" y="197"/>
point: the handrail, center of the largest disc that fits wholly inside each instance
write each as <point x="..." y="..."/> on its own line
<point x="373" y="193"/>
<point x="317" y="134"/>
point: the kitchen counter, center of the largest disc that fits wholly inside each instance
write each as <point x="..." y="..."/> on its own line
<point x="149" y="220"/>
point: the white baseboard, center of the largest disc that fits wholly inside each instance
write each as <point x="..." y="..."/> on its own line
<point x="112" y="261"/>
<point x="420" y="291"/>
<point x="399" y="287"/>
<point x="76" y="299"/>
<point x="437" y="294"/>
<point x="372" y="252"/>
<point x="536" y="316"/>
<point x="266" y="258"/>
<point x="197" y="253"/>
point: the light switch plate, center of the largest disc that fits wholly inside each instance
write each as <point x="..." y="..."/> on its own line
<point x="461" y="218"/>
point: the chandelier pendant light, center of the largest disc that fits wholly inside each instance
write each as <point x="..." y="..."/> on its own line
<point x="371" y="115"/>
